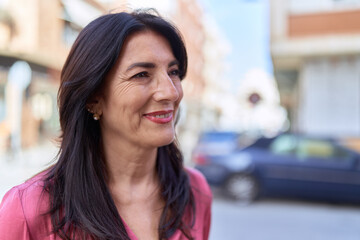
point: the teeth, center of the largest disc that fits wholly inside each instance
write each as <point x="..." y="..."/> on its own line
<point x="163" y="115"/>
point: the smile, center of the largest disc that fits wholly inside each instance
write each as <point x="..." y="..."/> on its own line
<point x="163" y="115"/>
<point x="160" y="117"/>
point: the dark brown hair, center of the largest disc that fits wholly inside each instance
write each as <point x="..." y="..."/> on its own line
<point x="80" y="201"/>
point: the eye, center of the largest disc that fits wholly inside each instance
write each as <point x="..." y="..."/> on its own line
<point x="174" y="72"/>
<point x="141" y="75"/>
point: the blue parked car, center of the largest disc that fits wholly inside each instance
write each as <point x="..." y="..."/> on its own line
<point x="288" y="165"/>
<point x="216" y="143"/>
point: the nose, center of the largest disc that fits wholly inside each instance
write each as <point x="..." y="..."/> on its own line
<point x="167" y="89"/>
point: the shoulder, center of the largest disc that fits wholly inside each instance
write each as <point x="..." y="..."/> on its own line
<point x="199" y="184"/>
<point x="197" y="179"/>
<point x="13" y="224"/>
<point x="23" y="207"/>
<point x="203" y="200"/>
<point x="29" y="192"/>
<point x="23" y="192"/>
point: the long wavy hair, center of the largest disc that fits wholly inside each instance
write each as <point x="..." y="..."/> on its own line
<point x="81" y="205"/>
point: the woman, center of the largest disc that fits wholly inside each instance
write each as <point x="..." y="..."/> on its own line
<point x="119" y="173"/>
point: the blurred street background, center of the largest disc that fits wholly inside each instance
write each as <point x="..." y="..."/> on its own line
<point x="270" y="115"/>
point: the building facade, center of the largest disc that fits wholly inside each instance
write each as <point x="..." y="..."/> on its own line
<point x="316" y="55"/>
<point x="34" y="42"/>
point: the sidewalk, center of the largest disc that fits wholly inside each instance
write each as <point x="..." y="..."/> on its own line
<point x="15" y="170"/>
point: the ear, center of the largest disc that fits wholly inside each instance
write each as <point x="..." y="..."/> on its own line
<point x="93" y="105"/>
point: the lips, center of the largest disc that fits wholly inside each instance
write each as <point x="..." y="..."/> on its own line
<point x="160" y="117"/>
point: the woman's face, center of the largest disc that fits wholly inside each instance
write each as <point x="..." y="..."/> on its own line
<point x="142" y="92"/>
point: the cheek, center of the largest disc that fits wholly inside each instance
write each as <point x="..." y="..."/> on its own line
<point x="125" y="97"/>
<point x="180" y="91"/>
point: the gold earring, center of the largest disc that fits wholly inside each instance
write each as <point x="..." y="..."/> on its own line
<point x="96" y="116"/>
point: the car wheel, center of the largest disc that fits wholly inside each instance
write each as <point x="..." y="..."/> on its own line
<point x="242" y="187"/>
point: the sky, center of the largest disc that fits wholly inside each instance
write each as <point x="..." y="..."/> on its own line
<point x="245" y="24"/>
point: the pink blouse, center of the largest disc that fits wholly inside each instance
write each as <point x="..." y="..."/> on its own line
<point x="22" y="211"/>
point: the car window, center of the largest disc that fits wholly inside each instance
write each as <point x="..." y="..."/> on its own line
<point x="285" y="144"/>
<point x="304" y="149"/>
<point x="321" y="149"/>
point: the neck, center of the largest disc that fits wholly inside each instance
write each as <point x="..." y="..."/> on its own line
<point x="129" y="164"/>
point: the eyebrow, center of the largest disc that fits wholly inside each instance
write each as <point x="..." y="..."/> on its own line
<point x="149" y="65"/>
<point x="174" y="62"/>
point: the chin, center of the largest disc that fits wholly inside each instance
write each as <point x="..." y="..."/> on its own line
<point x="164" y="140"/>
